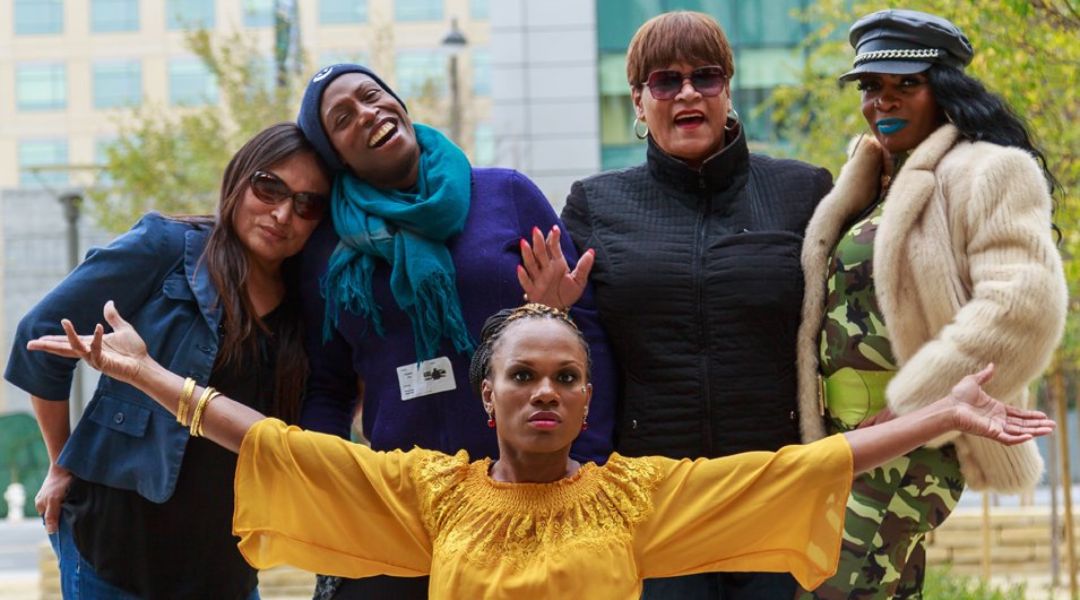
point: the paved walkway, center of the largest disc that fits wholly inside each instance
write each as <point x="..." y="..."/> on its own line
<point x="19" y="585"/>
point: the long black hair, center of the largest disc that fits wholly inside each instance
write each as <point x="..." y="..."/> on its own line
<point x="981" y="115"/>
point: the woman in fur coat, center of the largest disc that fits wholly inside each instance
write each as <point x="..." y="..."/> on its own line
<point x="933" y="254"/>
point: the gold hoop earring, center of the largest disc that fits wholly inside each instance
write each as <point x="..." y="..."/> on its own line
<point x="732" y="116"/>
<point x="637" y="132"/>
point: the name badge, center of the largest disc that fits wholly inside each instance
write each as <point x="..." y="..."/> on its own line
<point x="429" y="377"/>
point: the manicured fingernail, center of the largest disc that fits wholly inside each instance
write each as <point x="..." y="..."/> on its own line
<point x="591" y="251"/>
<point x="536" y="229"/>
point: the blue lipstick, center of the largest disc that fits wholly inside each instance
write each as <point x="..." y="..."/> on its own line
<point x="891" y="125"/>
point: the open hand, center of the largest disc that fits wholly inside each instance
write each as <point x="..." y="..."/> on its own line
<point x="119" y="355"/>
<point x="977" y="413"/>
<point x="546" y="276"/>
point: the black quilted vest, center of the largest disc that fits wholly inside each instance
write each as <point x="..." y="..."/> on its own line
<point x="699" y="286"/>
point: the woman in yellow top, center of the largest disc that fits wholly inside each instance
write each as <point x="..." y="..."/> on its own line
<point x="534" y="523"/>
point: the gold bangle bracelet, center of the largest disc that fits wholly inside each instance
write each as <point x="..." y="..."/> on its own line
<point x="202" y="415"/>
<point x="196" y="417"/>
<point x="182" y="404"/>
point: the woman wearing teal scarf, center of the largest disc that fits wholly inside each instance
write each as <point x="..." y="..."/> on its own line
<point x="408" y="229"/>
<point x="421" y="250"/>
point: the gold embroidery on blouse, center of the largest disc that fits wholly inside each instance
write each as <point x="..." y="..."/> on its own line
<point x="467" y="514"/>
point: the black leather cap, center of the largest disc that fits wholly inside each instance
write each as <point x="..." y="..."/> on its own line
<point x="900" y="42"/>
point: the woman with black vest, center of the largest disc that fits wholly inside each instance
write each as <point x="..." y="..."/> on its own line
<point x="697" y="275"/>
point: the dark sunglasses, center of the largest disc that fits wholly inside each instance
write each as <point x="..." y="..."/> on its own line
<point x="665" y="84"/>
<point x="270" y="189"/>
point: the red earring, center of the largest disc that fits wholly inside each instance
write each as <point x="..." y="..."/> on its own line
<point x="491" y="421"/>
<point x="585" y="424"/>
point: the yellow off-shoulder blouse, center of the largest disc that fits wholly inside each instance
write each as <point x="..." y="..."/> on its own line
<point x="329" y="506"/>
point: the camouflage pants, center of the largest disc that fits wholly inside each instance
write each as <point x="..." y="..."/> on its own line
<point x="889" y="513"/>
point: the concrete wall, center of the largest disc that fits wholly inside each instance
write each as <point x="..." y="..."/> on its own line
<point x="545" y="97"/>
<point x="1020" y="541"/>
<point x="33" y="255"/>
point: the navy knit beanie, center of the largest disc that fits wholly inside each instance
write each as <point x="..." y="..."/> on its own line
<point x="311" y="123"/>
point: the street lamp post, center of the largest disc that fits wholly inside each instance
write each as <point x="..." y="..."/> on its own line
<point x="71" y="202"/>
<point x="455" y="43"/>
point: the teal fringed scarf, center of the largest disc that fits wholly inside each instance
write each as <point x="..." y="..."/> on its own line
<point x="409" y="231"/>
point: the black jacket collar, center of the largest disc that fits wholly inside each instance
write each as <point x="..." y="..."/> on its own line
<point x="727" y="169"/>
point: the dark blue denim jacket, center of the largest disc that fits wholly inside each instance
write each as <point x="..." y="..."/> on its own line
<point x="152" y="273"/>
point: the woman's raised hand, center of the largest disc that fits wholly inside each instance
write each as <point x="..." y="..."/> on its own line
<point x="546" y="277"/>
<point x="977" y="413"/>
<point x="120" y="354"/>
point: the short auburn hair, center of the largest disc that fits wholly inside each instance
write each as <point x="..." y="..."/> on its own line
<point x="681" y="35"/>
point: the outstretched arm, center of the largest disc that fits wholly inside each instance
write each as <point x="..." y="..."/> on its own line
<point x="784" y="510"/>
<point x="122" y="355"/>
<point x="967" y="409"/>
<point x="284" y="474"/>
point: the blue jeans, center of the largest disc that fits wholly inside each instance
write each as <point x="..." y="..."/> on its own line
<point x="722" y="586"/>
<point x="78" y="580"/>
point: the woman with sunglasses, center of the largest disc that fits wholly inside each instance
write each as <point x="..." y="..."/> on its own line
<point x="420" y="249"/>
<point x="132" y="506"/>
<point x="933" y="253"/>
<point x="535" y="523"/>
<point x="697" y="275"/>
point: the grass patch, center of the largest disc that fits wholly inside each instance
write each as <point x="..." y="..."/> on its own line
<point x="943" y="584"/>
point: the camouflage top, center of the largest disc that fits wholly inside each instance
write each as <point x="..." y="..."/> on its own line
<point x="853" y="332"/>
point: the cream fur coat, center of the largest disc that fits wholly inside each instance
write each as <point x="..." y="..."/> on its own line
<point x="966" y="272"/>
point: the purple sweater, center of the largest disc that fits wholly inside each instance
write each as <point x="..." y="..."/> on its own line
<point x="505" y="206"/>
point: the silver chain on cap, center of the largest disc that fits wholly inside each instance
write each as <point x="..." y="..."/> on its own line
<point x="901" y="54"/>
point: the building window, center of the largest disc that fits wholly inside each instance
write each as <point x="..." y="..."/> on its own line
<point x="39" y="16"/>
<point x="191" y="83"/>
<point x="114" y="15"/>
<point x="258" y="13"/>
<point x="481" y="71"/>
<point x="420" y="73"/>
<point x="42" y="153"/>
<point x="41" y="86"/>
<point x="770" y="23"/>
<point x="418" y="10"/>
<point x="117" y="83"/>
<point x="619" y="147"/>
<point x="333" y="12"/>
<point x="478" y="10"/>
<point x="189" y="14"/>
<point x="484" y="145"/>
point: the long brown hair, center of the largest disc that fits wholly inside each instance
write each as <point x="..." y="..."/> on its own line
<point x="227" y="262"/>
